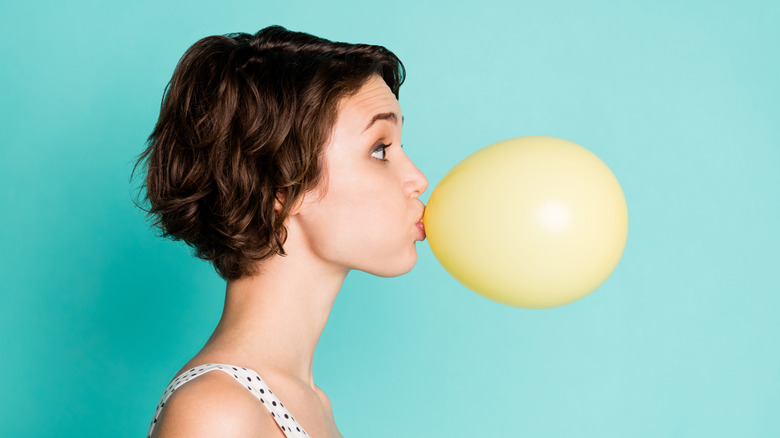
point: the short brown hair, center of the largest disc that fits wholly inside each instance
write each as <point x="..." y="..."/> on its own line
<point x="244" y="119"/>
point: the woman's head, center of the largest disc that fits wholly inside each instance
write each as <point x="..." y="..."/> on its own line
<point x="367" y="216"/>
<point x="241" y="136"/>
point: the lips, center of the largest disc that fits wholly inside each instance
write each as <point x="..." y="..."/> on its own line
<point x="421" y="227"/>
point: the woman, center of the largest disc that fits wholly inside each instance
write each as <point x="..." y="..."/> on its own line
<point x="277" y="157"/>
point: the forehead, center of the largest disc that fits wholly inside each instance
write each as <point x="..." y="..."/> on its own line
<point x="374" y="97"/>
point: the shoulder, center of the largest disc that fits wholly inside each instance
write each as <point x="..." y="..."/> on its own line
<point x="214" y="404"/>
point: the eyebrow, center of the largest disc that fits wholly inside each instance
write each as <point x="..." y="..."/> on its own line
<point x="391" y="116"/>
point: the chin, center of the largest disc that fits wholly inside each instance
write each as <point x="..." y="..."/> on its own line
<point x="395" y="268"/>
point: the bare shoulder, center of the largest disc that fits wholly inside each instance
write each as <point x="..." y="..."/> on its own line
<point x="214" y="404"/>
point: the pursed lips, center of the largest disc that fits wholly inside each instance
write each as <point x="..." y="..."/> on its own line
<point x="419" y="223"/>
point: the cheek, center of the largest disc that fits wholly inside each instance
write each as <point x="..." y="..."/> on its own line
<point x="363" y="221"/>
<point x="365" y="213"/>
<point x="361" y="196"/>
<point x="365" y="217"/>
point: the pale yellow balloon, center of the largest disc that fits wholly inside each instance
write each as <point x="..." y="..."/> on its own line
<point x="533" y="222"/>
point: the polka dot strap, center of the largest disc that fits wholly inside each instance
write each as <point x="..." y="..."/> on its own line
<point x="251" y="381"/>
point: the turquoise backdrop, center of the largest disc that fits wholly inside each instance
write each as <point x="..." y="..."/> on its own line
<point x="680" y="98"/>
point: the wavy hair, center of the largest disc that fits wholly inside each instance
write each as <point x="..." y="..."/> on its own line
<point x="243" y="123"/>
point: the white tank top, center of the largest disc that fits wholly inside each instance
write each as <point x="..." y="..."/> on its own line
<point x="251" y="381"/>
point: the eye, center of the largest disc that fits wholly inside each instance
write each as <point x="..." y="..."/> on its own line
<point x="379" y="152"/>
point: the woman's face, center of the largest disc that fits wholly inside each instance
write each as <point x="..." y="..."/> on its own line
<point x="365" y="213"/>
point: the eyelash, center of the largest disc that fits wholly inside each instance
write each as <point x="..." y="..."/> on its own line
<point x="381" y="147"/>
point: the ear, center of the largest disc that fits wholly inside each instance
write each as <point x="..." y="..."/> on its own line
<point x="281" y="199"/>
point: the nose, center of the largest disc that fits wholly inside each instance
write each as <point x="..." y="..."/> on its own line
<point x="415" y="182"/>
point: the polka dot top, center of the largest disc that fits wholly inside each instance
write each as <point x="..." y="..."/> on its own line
<point x="251" y="381"/>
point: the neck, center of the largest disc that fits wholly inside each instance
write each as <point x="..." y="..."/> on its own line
<point x="273" y="320"/>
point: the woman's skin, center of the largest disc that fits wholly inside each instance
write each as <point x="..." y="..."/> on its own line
<point x="364" y="215"/>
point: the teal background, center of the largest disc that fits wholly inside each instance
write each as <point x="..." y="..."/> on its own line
<point x="680" y="98"/>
